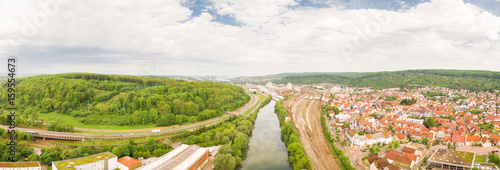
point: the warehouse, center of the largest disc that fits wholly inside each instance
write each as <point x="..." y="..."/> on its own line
<point x="101" y="161"/>
<point x="181" y="158"/>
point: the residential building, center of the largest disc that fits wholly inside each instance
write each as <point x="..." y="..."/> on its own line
<point x="20" y="166"/>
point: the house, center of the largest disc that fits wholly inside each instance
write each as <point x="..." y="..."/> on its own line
<point x="440" y="135"/>
<point x="391" y="156"/>
<point x="404" y="161"/>
<point x="353" y="137"/>
<point x="383" y="164"/>
<point x="401" y="136"/>
<point x="128" y="163"/>
<point x="409" y="150"/>
<point x="370" y="161"/>
<point x="458" y="140"/>
<point x="472" y="139"/>
<point x="485" y="133"/>
<point x="413" y="157"/>
<point x="495" y="139"/>
<point x="485" y="142"/>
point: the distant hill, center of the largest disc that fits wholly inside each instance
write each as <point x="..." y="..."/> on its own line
<point x="456" y="79"/>
<point x="122" y="100"/>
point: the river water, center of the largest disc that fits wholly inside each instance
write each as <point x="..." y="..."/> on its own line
<point x="266" y="150"/>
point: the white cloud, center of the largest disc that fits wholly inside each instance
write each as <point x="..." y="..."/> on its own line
<point x="273" y="37"/>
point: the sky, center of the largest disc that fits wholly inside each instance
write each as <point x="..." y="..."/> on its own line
<point x="248" y="37"/>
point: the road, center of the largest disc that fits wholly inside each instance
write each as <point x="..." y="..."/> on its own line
<point x="142" y="132"/>
<point x="306" y="117"/>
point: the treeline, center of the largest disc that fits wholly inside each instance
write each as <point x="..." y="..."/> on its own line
<point x="123" y="100"/>
<point x="151" y="148"/>
<point x="23" y="151"/>
<point x="290" y="137"/>
<point x="455" y="79"/>
<point x="337" y="153"/>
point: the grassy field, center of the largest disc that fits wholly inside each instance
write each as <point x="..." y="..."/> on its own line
<point x="90" y="132"/>
<point x="261" y="96"/>
<point x="466" y="156"/>
<point x="480" y="159"/>
<point x="76" y="123"/>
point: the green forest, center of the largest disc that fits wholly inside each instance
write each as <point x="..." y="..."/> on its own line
<point x="455" y="79"/>
<point x="119" y="100"/>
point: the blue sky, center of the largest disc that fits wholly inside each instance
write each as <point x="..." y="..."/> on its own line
<point x="241" y="37"/>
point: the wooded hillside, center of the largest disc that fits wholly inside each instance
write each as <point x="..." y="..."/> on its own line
<point x="456" y="79"/>
<point x="122" y="100"/>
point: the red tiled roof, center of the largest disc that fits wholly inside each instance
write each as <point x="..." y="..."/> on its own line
<point x="128" y="161"/>
<point x="403" y="160"/>
<point x="473" y="139"/>
<point x="411" y="156"/>
<point x="392" y="155"/>
<point x="458" y="139"/>
<point x="400" y="136"/>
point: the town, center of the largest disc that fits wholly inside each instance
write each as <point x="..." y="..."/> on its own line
<point x="416" y="128"/>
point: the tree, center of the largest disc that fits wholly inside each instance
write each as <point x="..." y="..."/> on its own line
<point x="33" y="157"/>
<point x="124" y="151"/>
<point x="425" y="140"/>
<point x="224" y="161"/>
<point x="116" y="151"/>
<point x="425" y="160"/>
<point x="391" y="128"/>
<point x="429" y="122"/>
<point x="168" y="143"/>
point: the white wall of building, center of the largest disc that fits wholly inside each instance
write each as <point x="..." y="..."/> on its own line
<point x="21" y="168"/>
<point x="122" y="167"/>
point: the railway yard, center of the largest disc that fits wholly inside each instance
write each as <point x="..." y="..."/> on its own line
<point x="305" y="114"/>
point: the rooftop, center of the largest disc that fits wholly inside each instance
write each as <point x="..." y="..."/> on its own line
<point x="82" y="160"/>
<point x="19" y="164"/>
<point x="460" y="158"/>
<point x="128" y="161"/>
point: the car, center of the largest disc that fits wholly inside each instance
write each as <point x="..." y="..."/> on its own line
<point x="131" y="134"/>
<point x="119" y="135"/>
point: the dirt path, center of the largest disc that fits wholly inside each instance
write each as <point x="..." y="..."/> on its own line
<point x="306" y="117"/>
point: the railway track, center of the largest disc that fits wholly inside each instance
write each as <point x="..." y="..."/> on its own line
<point x="305" y="114"/>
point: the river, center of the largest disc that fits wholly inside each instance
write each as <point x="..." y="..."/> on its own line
<point x="266" y="150"/>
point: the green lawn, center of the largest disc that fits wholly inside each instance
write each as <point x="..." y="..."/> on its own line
<point x="76" y="123"/>
<point x="260" y="96"/>
<point x="480" y="159"/>
<point x="466" y="156"/>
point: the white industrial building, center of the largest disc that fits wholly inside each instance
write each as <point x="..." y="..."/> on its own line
<point x="181" y="158"/>
<point x="101" y="161"/>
